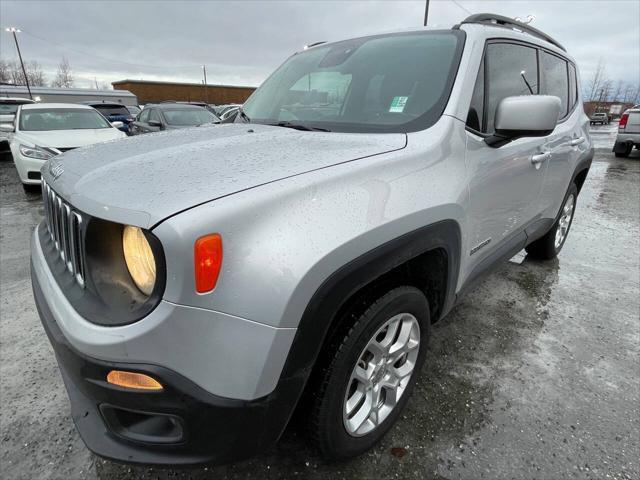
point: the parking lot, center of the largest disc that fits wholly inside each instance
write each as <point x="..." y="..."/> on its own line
<point x="533" y="375"/>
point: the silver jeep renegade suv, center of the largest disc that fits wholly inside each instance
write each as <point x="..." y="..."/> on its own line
<point x="200" y="285"/>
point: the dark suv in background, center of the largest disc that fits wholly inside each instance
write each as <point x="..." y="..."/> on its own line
<point x="169" y="116"/>
<point x="114" y="112"/>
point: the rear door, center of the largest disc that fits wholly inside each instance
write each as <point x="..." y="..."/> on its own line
<point x="564" y="142"/>
<point x="504" y="184"/>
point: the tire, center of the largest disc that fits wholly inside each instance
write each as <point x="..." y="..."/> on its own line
<point x="548" y="246"/>
<point x="626" y="152"/>
<point x="332" y="429"/>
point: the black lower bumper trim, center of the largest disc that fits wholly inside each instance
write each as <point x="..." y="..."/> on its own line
<point x="180" y="425"/>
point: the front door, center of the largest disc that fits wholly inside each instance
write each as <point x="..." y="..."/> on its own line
<point x="505" y="182"/>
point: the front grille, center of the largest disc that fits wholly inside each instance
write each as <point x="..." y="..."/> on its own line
<point x="65" y="227"/>
<point x="65" y="149"/>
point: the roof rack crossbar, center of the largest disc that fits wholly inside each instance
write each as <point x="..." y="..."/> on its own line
<point x="494" y="19"/>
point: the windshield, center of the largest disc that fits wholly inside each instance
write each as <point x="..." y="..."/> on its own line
<point x="188" y="116"/>
<point x="8" y="108"/>
<point x="109" y="110"/>
<point x="61" y="119"/>
<point x="133" y="109"/>
<point x="389" y="83"/>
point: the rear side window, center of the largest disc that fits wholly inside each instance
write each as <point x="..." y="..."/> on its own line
<point x="573" y="87"/>
<point x="555" y="79"/>
<point x="511" y="70"/>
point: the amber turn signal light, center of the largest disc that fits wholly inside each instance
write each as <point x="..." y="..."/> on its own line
<point x="208" y="261"/>
<point x="138" y="381"/>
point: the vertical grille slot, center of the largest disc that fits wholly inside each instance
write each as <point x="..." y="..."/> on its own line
<point x="65" y="228"/>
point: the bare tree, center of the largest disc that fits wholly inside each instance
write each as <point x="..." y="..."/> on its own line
<point x="616" y="96"/>
<point x="5" y="71"/>
<point x="594" y="86"/>
<point x="64" y="78"/>
<point x="11" y="72"/>
<point x="35" y="74"/>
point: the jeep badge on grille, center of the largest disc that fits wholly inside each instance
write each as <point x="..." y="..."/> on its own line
<point x="56" y="169"/>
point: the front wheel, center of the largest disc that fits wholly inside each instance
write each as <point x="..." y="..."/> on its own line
<point x="548" y="246"/>
<point x="368" y="374"/>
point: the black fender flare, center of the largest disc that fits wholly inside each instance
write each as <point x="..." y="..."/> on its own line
<point x="353" y="276"/>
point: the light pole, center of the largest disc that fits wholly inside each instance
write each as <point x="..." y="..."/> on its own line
<point x="426" y="13"/>
<point x="204" y="73"/>
<point x="15" y="30"/>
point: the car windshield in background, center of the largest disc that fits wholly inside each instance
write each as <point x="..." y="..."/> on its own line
<point x="8" y="108"/>
<point x="182" y="117"/>
<point x="133" y="110"/>
<point x="109" y="110"/>
<point x="61" y="119"/>
<point x="389" y="83"/>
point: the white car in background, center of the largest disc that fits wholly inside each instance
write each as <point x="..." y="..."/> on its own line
<point x="8" y="108"/>
<point x="43" y="130"/>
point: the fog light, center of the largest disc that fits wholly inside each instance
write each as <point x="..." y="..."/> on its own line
<point x="138" y="381"/>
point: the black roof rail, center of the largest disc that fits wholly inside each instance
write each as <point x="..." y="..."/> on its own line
<point x="493" y="19"/>
<point x="315" y="44"/>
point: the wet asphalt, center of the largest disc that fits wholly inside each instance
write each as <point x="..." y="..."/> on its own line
<point x="534" y="375"/>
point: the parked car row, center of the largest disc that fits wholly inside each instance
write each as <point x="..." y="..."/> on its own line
<point x="35" y="132"/>
<point x="40" y="131"/>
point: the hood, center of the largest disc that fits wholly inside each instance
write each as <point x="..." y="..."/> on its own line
<point x="144" y="179"/>
<point x="69" y="138"/>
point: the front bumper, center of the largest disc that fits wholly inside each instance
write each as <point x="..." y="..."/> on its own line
<point x="181" y="425"/>
<point x="28" y="168"/>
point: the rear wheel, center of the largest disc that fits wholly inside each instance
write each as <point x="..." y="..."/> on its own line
<point x="548" y="246"/>
<point x="369" y="374"/>
<point x="626" y="152"/>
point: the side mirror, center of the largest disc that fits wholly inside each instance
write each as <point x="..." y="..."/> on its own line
<point x="7" y="127"/>
<point x="524" y="116"/>
<point x="154" y="123"/>
<point x="117" y="124"/>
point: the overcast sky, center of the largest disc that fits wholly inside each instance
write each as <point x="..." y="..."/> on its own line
<point x="241" y="42"/>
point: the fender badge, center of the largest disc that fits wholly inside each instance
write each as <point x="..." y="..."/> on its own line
<point x="56" y="169"/>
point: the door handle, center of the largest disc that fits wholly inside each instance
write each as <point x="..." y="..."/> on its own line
<point x="541" y="157"/>
<point x="576" y="141"/>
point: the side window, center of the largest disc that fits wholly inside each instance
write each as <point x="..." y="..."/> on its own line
<point x="154" y="116"/>
<point x="573" y="86"/>
<point x="555" y="79"/>
<point x="144" y="116"/>
<point x="511" y="70"/>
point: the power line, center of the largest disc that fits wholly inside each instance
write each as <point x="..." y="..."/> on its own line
<point x="455" y="2"/>
<point x="111" y="60"/>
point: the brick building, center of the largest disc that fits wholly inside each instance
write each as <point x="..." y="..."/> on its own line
<point x="152" y="92"/>
<point x="614" y="109"/>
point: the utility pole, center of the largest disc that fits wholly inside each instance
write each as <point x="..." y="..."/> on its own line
<point x="426" y="13"/>
<point x="206" y="93"/>
<point x="15" y="30"/>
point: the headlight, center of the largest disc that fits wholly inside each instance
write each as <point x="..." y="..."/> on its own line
<point x="139" y="258"/>
<point x="36" y="152"/>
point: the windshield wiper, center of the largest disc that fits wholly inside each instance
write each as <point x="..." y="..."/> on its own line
<point x="298" y="126"/>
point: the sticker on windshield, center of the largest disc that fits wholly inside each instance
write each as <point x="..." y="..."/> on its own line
<point x="398" y="104"/>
